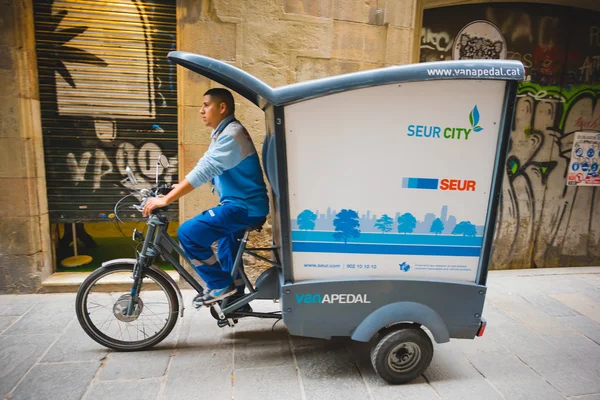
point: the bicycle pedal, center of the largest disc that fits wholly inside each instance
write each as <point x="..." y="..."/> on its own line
<point x="227" y="322"/>
<point x="218" y="311"/>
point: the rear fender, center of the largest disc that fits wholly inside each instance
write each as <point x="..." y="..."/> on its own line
<point x="156" y="269"/>
<point x="404" y="311"/>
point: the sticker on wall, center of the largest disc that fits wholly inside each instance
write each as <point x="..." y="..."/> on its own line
<point x="479" y="40"/>
<point x="585" y="157"/>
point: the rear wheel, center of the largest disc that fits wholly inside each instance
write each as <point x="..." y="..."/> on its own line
<point x="104" y="317"/>
<point x="402" y="355"/>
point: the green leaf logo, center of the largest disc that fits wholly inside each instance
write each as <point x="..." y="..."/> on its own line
<point x="474" y="119"/>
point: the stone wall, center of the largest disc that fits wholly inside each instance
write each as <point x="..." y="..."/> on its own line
<point x="25" y="251"/>
<point x="281" y="42"/>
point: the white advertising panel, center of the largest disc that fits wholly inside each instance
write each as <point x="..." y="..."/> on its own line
<point x="585" y="157"/>
<point x="392" y="181"/>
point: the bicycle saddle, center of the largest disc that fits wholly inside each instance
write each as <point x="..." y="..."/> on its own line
<point x="257" y="227"/>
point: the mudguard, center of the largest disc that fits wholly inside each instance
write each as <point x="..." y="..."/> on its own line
<point x="404" y="311"/>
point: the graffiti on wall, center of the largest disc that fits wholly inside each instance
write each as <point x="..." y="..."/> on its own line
<point x="108" y="100"/>
<point x="541" y="221"/>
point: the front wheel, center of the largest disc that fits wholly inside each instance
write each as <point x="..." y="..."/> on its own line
<point x="402" y="355"/>
<point x="104" y="315"/>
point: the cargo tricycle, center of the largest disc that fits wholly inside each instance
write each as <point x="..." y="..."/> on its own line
<point x="384" y="194"/>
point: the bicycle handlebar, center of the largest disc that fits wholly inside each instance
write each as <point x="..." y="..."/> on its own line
<point x="153" y="192"/>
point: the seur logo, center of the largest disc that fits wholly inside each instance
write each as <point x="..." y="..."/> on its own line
<point x="404" y="266"/>
<point x="456" y="133"/>
<point x="462" y="185"/>
<point x="347" y="298"/>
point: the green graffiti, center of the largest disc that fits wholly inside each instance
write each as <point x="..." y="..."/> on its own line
<point x="566" y="96"/>
<point x="513" y="166"/>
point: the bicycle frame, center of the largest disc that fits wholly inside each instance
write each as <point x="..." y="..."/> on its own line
<point x="158" y="243"/>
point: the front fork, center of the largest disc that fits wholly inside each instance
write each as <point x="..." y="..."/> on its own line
<point x="144" y="260"/>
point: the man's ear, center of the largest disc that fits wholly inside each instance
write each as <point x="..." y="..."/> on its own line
<point x="222" y="108"/>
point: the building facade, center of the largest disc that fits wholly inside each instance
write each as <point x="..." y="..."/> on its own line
<point x="88" y="90"/>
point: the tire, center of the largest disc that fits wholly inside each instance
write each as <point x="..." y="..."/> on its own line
<point x="90" y="310"/>
<point x="402" y="355"/>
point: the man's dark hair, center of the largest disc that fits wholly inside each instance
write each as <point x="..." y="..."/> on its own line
<point x="220" y="95"/>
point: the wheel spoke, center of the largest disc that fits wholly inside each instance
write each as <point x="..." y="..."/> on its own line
<point x="157" y="325"/>
<point x="107" y="318"/>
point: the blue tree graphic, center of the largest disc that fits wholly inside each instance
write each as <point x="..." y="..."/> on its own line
<point x="384" y="224"/>
<point x="406" y="223"/>
<point x="465" y="228"/>
<point x="346" y="225"/>
<point x="437" y="226"/>
<point x="306" y="220"/>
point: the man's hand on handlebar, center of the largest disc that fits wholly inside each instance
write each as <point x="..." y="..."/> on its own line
<point x="154" y="203"/>
<point x="171" y="193"/>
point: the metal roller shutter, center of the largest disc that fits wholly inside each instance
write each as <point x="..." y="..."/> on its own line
<point x="108" y="99"/>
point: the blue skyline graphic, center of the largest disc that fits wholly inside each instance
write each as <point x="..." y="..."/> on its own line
<point x="317" y="221"/>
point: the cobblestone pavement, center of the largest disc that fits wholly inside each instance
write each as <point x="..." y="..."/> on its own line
<point x="542" y="342"/>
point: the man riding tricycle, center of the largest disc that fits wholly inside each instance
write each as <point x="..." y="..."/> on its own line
<point x="407" y="161"/>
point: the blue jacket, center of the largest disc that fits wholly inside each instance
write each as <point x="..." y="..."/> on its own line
<point x="232" y="163"/>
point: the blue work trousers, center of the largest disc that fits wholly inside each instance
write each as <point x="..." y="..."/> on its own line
<point x="225" y="224"/>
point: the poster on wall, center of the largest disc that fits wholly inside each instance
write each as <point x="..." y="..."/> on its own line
<point x="402" y="191"/>
<point x="479" y="40"/>
<point x="585" y="157"/>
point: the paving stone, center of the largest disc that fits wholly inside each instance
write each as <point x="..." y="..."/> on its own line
<point x="57" y="381"/>
<point x="563" y="284"/>
<point x="328" y="372"/>
<point x="548" y="361"/>
<point x="208" y="372"/>
<point x="269" y="383"/>
<point x="453" y="377"/>
<point x="531" y="316"/>
<point x="550" y="306"/>
<point x="17" y="304"/>
<point x="252" y="355"/>
<point x="302" y="341"/>
<point x="495" y="316"/>
<point x="418" y="389"/>
<point x="257" y="332"/>
<point x="580" y="303"/>
<point x="51" y="315"/>
<point x="75" y="345"/>
<point x="199" y="330"/>
<point x="579" y="348"/>
<point x="125" y="390"/>
<point x="485" y="344"/>
<point x="495" y="289"/>
<point x="6" y="322"/>
<point x="587" y="397"/>
<point x="17" y="355"/>
<point x="511" y="377"/>
<point x="584" y="326"/>
<point x="590" y="279"/>
<point x="135" y="365"/>
<point x="591" y="292"/>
